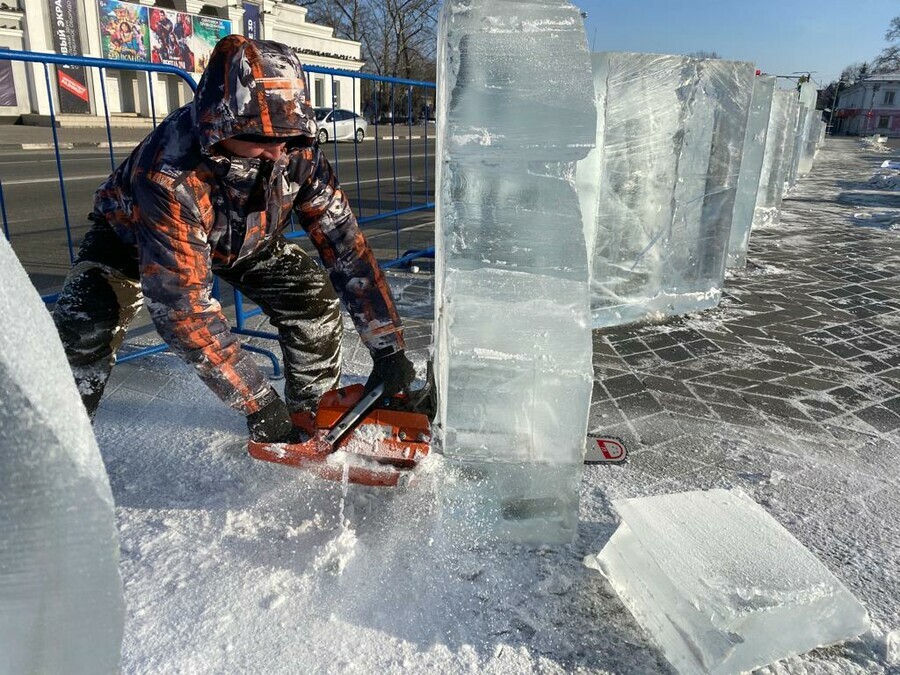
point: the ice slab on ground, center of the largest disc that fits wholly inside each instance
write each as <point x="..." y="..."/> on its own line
<point x="61" y="602"/>
<point x="659" y="191"/>
<point x="512" y="317"/>
<point x="720" y="585"/>
<point x="751" y="169"/>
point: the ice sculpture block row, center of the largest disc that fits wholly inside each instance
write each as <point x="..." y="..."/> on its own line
<point x="751" y="170"/>
<point x="512" y="319"/>
<point x="720" y="585"/>
<point x="61" y="602"/>
<point x="658" y="193"/>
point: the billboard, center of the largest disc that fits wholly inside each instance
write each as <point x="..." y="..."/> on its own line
<point x="131" y="32"/>
<point x="251" y="20"/>
<point x="172" y="38"/>
<point x="208" y="30"/>
<point x="71" y="81"/>
<point x="123" y="31"/>
<point x="7" y="83"/>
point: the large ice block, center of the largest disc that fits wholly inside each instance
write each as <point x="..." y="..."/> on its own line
<point x="751" y="169"/>
<point x="777" y="158"/>
<point x="512" y="319"/>
<point x="720" y="585"/>
<point x="661" y="185"/>
<point x="802" y="160"/>
<point x="61" y="603"/>
<point x="790" y="174"/>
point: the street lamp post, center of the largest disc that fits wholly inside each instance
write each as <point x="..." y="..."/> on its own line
<point x="837" y="91"/>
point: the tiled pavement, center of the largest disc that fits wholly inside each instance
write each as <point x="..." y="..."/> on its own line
<point x="806" y="340"/>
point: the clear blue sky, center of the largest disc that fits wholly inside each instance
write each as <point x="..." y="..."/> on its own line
<point x="780" y="36"/>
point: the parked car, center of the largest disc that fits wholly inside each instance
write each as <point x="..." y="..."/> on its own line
<point x="340" y="125"/>
<point x="400" y="118"/>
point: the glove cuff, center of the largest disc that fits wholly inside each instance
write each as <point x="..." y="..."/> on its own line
<point x="261" y="401"/>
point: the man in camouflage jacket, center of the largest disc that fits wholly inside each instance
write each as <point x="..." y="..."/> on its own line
<point x="210" y="192"/>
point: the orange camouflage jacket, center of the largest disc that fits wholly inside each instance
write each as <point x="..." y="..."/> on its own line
<point x="190" y="211"/>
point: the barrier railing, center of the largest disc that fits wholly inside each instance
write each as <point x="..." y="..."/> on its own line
<point x="390" y="105"/>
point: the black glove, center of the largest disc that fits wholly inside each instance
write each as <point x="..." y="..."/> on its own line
<point x="272" y="423"/>
<point x="393" y="370"/>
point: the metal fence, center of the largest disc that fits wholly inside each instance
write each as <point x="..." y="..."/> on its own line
<point x="395" y="113"/>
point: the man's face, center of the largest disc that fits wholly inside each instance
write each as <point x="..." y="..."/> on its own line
<point x="255" y="147"/>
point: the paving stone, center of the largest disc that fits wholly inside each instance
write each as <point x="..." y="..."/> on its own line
<point x="690" y="407"/>
<point x="849" y="397"/>
<point x="717" y="395"/>
<point x="775" y="389"/>
<point x="638" y="405"/>
<point x="740" y="416"/>
<point x="806" y="382"/>
<point x="674" y="354"/>
<point x="757" y="374"/>
<point x="774" y="406"/>
<point x="631" y="346"/>
<point x="666" y="385"/>
<point x="880" y="417"/>
<point x="623" y="385"/>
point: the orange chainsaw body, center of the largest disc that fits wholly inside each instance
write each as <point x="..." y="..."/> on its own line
<point x="386" y="444"/>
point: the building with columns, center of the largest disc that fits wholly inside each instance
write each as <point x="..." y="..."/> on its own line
<point x="179" y="32"/>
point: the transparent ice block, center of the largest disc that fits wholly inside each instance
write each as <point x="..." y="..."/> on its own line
<point x="720" y="585"/>
<point x="61" y="602"/>
<point x="512" y="320"/>
<point x="751" y="169"/>
<point x="662" y="182"/>
<point x="777" y="158"/>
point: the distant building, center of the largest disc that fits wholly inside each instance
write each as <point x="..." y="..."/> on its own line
<point x="871" y="106"/>
<point x="176" y="32"/>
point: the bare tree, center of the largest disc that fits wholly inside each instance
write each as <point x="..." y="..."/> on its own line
<point x="398" y="37"/>
<point x="856" y="72"/>
<point x="703" y="54"/>
<point x="889" y="59"/>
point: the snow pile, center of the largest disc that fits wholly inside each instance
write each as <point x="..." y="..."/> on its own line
<point x="61" y="603"/>
<point x="885" y="220"/>
<point x="887" y="177"/>
<point x="874" y="143"/>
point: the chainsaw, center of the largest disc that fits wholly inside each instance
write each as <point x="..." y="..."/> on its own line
<point x="363" y="438"/>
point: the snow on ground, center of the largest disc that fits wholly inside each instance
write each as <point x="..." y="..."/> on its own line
<point x="236" y="566"/>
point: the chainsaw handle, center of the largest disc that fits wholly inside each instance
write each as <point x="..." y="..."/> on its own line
<point x="351" y="419"/>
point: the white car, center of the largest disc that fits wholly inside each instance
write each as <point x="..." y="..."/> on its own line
<point x="340" y="125"/>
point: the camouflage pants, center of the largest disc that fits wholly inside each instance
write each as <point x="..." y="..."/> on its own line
<point x="102" y="295"/>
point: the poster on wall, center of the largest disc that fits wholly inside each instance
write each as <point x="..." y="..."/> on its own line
<point x="208" y="31"/>
<point x="123" y="31"/>
<point x="251" y="20"/>
<point x="7" y="83"/>
<point x="171" y="38"/>
<point x="71" y="81"/>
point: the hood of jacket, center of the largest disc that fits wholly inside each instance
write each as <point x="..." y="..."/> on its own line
<point x="252" y="87"/>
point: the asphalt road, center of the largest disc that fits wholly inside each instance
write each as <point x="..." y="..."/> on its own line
<point x="378" y="178"/>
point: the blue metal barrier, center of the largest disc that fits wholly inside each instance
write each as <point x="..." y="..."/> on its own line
<point x="386" y="112"/>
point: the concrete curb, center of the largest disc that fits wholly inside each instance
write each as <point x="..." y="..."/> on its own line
<point x="130" y="144"/>
<point x="67" y="146"/>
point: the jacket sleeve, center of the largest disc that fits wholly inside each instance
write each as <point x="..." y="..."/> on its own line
<point x="325" y="214"/>
<point x="177" y="280"/>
